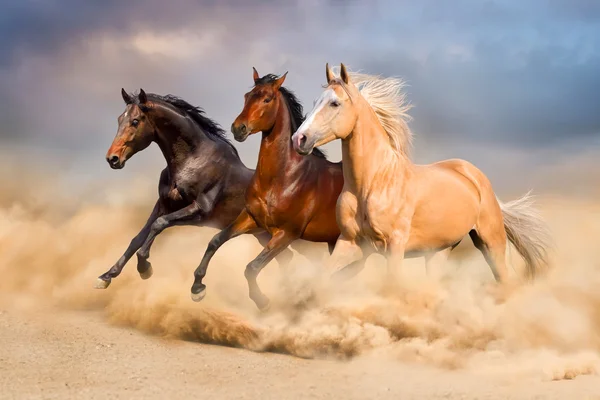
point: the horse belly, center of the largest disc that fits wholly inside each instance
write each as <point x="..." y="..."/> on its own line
<point x="443" y="217"/>
<point x="323" y="228"/>
<point x="323" y="225"/>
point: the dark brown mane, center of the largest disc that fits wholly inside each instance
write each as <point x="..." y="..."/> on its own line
<point x="212" y="129"/>
<point x="294" y="106"/>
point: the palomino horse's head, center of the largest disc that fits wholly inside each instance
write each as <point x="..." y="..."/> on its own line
<point x="135" y="131"/>
<point x="260" y="107"/>
<point x="333" y="116"/>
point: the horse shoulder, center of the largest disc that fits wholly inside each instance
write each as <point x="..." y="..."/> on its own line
<point x="391" y="193"/>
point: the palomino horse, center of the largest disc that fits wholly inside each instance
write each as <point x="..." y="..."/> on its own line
<point x="395" y="207"/>
<point x="204" y="181"/>
<point x="290" y="196"/>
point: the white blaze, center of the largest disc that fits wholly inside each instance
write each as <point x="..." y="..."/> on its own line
<point x="325" y="98"/>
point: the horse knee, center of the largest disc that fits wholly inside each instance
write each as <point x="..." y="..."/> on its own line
<point x="252" y="271"/>
<point x="160" y="224"/>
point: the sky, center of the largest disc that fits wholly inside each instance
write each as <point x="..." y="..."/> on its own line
<point x="511" y="85"/>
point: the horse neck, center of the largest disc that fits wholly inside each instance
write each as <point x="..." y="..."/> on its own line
<point x="276" y="150"/>
<point x="367" y="152"/>
<point x="177" y="136"/>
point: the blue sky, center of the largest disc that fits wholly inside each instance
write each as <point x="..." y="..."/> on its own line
<point x="489" y="79"/>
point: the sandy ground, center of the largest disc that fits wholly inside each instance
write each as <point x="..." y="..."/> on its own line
<point x="440" y="336"/>
<point x="76" y="355"/>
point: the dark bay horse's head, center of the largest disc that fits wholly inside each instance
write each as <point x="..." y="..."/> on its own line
<point x="260" y="107"/>
<point x="135" y="131"/>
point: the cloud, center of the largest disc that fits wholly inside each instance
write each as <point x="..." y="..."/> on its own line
<point x="499" y="73"/>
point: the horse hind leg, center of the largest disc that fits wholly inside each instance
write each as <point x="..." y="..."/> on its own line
<point x="493" y="247"/>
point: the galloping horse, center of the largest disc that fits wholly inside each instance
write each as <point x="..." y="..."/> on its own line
<point x="395" y="207"/>
<point x="290" y="196"/>
<point x="204" y="181"/>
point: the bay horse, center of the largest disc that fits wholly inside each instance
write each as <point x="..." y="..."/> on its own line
<point x="394" y="207"/>
<point x="290" y="196"/>
<point x="203" y="183"/>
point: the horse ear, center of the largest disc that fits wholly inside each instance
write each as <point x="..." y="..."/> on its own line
<point x="126" y="97"/>
<point x="142" y="96"/>
<point x="344" y="74"/>
<point x="328" y="73"/>
<point x="277" y="84"/>
<point x="255" y="75"/>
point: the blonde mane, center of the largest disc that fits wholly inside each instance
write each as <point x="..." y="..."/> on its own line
<point x="387" y="98"/>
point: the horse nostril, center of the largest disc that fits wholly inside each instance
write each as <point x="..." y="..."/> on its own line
<point x="239" y="129"/>
<point x="113" y="160"/>
<point x="300" y="140"/>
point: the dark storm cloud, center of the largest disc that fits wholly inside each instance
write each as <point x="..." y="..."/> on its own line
<point x="526" y="73"/>
<point x="46" y="26"/>
<point x="517" y="73"/>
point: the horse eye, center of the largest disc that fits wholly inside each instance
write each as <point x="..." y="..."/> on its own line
<point x="268" y="100"/>
<point x="135" y="122"/>
<point x="334" y="104"/>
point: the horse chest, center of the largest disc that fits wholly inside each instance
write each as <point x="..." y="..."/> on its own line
<point x="366" y="220"/>
<point x="370" y="225"/>
<point x="270" y="208"/>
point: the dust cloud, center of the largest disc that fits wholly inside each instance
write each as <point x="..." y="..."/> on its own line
<point x="53" y="247"/>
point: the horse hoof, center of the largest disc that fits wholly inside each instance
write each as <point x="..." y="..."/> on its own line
<point x="147" y="273"/>
<point x="199" y="296"/>
<point x="101" y="284"/>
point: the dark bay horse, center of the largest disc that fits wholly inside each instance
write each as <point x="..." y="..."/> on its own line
<point x="290" y="196"/>
<point x="204" y="181"/>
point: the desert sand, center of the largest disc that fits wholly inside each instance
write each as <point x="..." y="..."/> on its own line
<point x="450" y="335"/>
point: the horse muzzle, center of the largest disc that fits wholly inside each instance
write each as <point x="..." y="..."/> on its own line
<point x="115" y="161"/>
<point x="302" y="144"/>
<point x="240" y="132"/>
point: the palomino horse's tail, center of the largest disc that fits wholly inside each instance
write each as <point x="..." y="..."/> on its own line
<point x="528" y="232"/>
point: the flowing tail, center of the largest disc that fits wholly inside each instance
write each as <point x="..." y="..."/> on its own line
<point x="528" y="232"/>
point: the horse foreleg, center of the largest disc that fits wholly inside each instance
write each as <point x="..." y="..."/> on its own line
<point x="279" y="242"/>
<point x="395" y="259"/>
<point x="346" y="255"/>
<point x="284" y="258"/>
<point x="434" y="261"/>
<point x="105" y="279"/>
<point x="163" y="222"/>
<point x="244" y="223"/>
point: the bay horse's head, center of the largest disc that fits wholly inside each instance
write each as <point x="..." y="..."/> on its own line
<point x="333" y="116"/>
<point x="135" y="131"/>
<point x="260" y="107"/>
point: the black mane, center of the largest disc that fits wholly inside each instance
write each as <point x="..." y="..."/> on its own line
<point x="210" y="127"/>
<point x="294" y="106"/>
